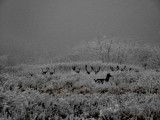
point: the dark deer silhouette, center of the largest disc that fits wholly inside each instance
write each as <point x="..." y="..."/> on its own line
<point x="31" y="74"/>
<point x="123" y="69"/>
<point x="45" y="71"/>
<point x="145" y="66"/>
<point x="77" y="70"/>
<point x="112" y="69"/>
<point x="102" y="80"/>
<point x="51" y="72"/>
<point x="86" y="68"/>
<point x="96" y="70"/>
<point x="134" y="70"/>
<point x="118" y="67"/>
<point x="130" y="69"/>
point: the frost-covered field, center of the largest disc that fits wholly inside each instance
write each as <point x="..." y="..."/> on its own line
<point x="27" y="93"/>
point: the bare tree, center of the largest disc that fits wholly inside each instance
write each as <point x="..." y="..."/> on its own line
<point x="121" y="53"/>
<point x="156" y="57"/>
<point x="144" y="56"/>
<point x="99" y="49"/>
<point x="104" y="47"/>
<point x="108" y="48"/>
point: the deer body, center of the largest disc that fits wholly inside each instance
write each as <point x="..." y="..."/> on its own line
<point x="102" y="80"/>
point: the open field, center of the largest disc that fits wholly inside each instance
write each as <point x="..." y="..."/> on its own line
<point x="27" y="93"/>
<point x="79" y="59"/>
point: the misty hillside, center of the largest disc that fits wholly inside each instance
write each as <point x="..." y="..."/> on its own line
<point x="102" y="79"/>
<point x="100" y="49"/>
<point x="79" y="90"/>
<point x="35" y="28"/>
<point x="80" y="60"/>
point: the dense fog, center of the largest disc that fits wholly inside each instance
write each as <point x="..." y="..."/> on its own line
<point x="37" y="27"/>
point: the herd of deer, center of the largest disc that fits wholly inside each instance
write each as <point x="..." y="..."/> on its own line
<point x="90" y="69"/>
<point x="46" y="70"/>
<point x="117" y="68"/>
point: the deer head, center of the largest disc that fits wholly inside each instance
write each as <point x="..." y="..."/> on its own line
<point x="51" y="71"/>
<point x="108" y="76"/>
<point x="44" y="71"/>
<point x="96" y="70"/>
<point x="76" y="69"/>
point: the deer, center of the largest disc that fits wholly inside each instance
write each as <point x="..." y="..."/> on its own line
<point x="112" y="69"/>
<point x="102" y="80"/>
<point x="86" y="68"/>
<point x="135" y="70"/>
<point x="31" y="74"/>
<point x="96" y="71"/>
<point x="77" y="70"/>
<point x="118" y="67"/>
<point x="51" y="72"/>
<point x="45" y="71"/>
<point x="145" y="66"/>
<point x="123" y="68"/>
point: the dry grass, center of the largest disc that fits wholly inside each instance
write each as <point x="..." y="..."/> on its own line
<point x="68" y="95"/>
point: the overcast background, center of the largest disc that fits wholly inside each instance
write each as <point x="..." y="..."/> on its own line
<point x="29" y="26"/>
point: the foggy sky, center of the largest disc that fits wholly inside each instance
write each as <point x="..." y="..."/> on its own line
<point x="59" y="25"/>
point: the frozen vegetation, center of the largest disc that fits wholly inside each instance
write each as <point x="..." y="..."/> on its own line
<point x="99" y="81"/>
<point x="26" y="93"/>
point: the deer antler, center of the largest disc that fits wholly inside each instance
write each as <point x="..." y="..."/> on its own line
<point x="111" y="68"/>
<point x="86" y="68"/>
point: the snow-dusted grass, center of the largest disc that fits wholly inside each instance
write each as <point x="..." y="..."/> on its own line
<point x="68" y="95"/>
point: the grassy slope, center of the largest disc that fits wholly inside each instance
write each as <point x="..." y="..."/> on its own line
<point x="68" y="95"/>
